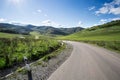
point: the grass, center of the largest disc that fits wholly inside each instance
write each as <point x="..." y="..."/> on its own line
<point x="47" y="57"/>
<point x="43" y="59"/>
<point x="104" y="34"/>
<point x="13" y="47"/>
<point x="108" y="37"/>
<point x="8" y="35"/>
<point x="112" y="45"/>
<point x="53" y="54"/>
<point x="13" y="50"/>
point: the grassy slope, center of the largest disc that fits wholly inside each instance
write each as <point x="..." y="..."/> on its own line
<point x="108" y="37"/>
<point x="104" y="34"/>
<point x="8" y="35"/>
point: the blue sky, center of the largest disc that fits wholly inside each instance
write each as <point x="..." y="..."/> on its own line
<point x="59" y="13"/>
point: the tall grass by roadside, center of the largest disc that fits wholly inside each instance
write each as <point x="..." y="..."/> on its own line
<point x="13" y="50"/>
<point x="114" y="45"/>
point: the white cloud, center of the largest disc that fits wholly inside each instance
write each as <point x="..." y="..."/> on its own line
<point x="2" y="20"/>
<point x="18" y="23"/>
<point x="50" y="23"/>
<point x="117" y="2"/>
<point x="117" y="18"/>
<point x="103" y="21"/>
<point x="13" y="22"/>
<point x="80" y="23"/>
<point x="91" y="8"/>
<point x="95" y="24"/>
<point x="110" y="8"/>
<point x="113" y="19"/>
<point x="115" y="11"/>
<point x="102" y="10"/>
<point x="39" y="11"/>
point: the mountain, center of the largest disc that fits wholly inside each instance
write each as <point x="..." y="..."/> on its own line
<point x="108" y="31"/>
<point x="71" y="30"/>
<point x="45" y="30"/>
<point x="56" y="31"/>
<point x="10" y="28"/>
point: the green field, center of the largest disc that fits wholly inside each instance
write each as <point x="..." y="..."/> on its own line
<point x="8" y="35"/>
<point x="106" y="35"/>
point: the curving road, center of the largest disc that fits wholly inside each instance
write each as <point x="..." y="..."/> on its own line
<point x="88" y="62"/>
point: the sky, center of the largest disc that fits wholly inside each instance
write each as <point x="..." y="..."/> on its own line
<point x="59" y="13"/>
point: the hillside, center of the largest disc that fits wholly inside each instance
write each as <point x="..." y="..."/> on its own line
<point x="16" y="29"/>
<point x="44" y="30"/>
<point x="109" y="31"/>
<point x="106" y="35"/>
<point x="7" y="35"/>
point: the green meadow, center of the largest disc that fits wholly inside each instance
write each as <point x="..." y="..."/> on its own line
<point x="8" y="35"/>
<point x="106" y="35"/>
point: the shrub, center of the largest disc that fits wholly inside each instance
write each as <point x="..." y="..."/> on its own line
<point x="2" y="63"/>
<point x="12" y="51"/>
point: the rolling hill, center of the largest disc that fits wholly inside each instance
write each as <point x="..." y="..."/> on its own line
<point x="106" y="35"/>
<point x="109" y="31"/>
<point x="16" y="29"/>
<point x="44" y="30"/>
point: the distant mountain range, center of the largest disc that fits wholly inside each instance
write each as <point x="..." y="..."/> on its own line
<point x="45" y="30"/>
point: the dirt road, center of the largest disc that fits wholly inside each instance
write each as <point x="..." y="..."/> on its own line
<point x="88" y="62"/>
